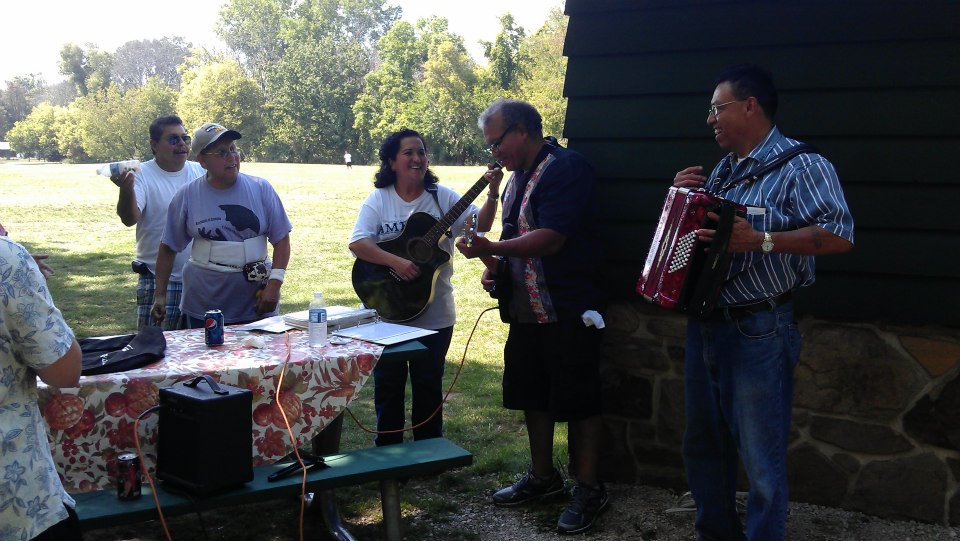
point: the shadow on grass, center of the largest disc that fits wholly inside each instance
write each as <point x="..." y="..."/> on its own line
<point x="102" y="290"/>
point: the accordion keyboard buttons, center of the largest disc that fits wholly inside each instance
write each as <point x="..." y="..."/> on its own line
<point x="681" y="255"/>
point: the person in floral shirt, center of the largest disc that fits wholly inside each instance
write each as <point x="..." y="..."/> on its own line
<point x="34" y="341"/>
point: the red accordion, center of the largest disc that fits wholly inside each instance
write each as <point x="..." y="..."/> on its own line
<point x="681" y="272"/>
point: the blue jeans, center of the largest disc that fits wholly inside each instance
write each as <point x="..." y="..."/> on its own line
<point x="739" y="394"/>
<point x="426" y="384"/>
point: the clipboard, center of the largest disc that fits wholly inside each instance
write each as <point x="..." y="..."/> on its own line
<point x="383" y="333"/>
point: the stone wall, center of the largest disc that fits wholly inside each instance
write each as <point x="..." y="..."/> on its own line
<point x="876" y="418"/>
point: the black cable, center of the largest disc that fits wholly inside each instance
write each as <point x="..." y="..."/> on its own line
<point x="149" y="411"/>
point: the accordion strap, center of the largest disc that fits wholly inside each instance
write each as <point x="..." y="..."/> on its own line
<point x="773" y="164"/>
<point x="714" y="271"/>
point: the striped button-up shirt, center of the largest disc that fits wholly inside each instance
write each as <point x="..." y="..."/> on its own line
<point x="805" y="191"/>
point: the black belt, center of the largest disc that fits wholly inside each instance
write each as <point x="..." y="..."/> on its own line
<point x="743" y="310"/>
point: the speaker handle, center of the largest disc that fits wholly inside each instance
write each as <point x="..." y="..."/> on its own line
<point x="210" y="381"/>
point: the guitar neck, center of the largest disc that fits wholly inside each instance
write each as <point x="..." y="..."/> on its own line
<point x="433" y="236"/>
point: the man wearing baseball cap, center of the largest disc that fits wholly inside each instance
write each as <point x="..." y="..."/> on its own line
<point x="230" y="217"/>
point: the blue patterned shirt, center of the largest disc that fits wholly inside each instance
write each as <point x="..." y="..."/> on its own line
<point x="805" y="191"/>
<point x="33" y="335"/>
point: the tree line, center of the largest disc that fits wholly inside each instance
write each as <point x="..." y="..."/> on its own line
<point x="303" y="81"/>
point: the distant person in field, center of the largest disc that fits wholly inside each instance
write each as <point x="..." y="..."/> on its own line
<point x="348" y="159"/>
<point x="144" y="198"/>
<point x="230" y="217"/>
<point x="36" y="341"/>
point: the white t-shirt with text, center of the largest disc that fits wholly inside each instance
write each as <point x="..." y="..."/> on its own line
<point x="383" y="216"/>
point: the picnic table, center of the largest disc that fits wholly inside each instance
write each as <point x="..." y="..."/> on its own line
<point x="91" y="425"/>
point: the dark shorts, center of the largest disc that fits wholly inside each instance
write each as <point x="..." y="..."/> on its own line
<point x="553" y="367"/>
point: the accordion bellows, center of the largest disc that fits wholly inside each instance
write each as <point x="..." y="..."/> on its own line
<point x="681" y="272"/>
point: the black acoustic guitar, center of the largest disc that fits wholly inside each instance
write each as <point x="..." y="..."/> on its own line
<point x="380" y="288"/>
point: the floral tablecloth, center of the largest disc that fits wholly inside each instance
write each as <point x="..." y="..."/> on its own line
<point x="90" y="425"/>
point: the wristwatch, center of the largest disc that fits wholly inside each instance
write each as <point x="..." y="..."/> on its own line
<point x="767" y="245"/>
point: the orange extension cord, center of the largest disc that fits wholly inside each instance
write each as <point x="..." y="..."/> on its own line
<point x="143" y="467"/>
<point x="293" y="439"/>
<point x="463" y="359"/>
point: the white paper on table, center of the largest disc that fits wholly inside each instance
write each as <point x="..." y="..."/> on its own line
<point x="384" y="333"/>
<point x="275" y="324"/>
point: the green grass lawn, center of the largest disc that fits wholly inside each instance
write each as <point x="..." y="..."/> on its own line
<point x="69" y="212"/>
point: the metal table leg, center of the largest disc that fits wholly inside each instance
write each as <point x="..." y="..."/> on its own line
<point x="325" y="501"/>
<point x="390" y="503"/>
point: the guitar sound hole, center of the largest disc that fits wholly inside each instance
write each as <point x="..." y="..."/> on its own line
<point x="419" y="251"/>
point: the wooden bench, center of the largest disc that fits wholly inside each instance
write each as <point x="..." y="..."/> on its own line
<point x="102" y="509"/>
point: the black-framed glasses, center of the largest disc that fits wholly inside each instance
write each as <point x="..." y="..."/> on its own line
<point x="223" y="153"/>
<point x="495" y="145"/>
<point x="174" y="140"/>
<point x="714" y="110"/>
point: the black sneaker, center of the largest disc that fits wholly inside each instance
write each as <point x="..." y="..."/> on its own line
<point x="529" y="487"/>
<point x="585" y="506"/>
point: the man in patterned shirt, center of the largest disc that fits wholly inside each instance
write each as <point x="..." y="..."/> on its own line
<point x="739" y="363"/>
<point x="550" y="243"/>
<point x="34" y="341"/>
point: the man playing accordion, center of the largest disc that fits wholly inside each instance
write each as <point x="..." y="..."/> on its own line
<point x="740" y="360"/>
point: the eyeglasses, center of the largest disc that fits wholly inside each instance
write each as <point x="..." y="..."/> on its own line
<point x="714" y="110"/>
<point x="495" y="145"/>
<point x="223" y="153"/>
<point x="174" y="140"/>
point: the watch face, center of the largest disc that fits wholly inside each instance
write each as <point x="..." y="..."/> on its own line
<point x="767" y="244"/>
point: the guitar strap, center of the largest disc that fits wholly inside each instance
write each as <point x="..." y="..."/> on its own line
<point x="432" y="189"/>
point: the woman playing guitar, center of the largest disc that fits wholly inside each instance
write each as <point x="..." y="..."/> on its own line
<point x="403" y="270"/>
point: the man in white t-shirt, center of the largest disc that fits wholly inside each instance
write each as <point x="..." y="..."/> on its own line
<point x="348" y="159"/>
<point x="144" y="198"/>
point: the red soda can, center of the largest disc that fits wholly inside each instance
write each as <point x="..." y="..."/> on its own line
<point x="213" y="328"/>
<point x="129" y="479"/>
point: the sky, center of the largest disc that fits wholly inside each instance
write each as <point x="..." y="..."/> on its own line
<point x="35" y="30"/>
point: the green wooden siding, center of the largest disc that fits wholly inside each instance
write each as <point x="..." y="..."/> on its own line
<point x="875" y="85"/>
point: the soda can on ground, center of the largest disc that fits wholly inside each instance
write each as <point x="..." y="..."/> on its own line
<point x="213" y="328"/>
<point x="129" y="478"/>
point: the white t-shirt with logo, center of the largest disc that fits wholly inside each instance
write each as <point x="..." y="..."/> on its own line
<point x="247" y="209"/>
<point x="155" y="188"/>
<point x="384" y="215"/>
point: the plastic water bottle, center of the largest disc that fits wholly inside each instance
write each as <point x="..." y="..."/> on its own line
<point x="317" y="325"/>
<point x="118" y="168"/>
